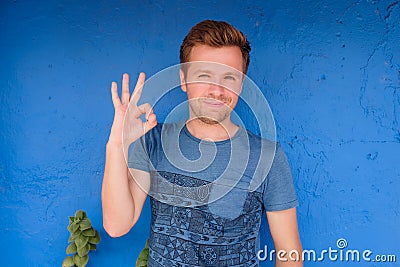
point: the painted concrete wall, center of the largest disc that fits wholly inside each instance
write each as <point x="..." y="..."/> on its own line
<point x="329" y="69"/>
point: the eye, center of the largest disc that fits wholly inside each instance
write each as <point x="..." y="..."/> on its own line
<point x="204" y="76"/>
<point x="230" y="78"/>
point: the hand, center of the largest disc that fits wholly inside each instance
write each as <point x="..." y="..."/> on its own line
<point x="127" y="126"/>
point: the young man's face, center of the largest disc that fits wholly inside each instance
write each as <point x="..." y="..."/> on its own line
<point x="213" y="82"/>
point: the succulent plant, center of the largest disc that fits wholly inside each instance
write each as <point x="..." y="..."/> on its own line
<point x="143" y="256"/>
<point x="83" y="238"/>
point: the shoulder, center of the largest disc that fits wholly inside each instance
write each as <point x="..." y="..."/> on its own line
<point x="269" y="155"/>
<point x="175" y="126"/>
<point x="161" y="133"/>
<point x="164" y="129"/>
<point x="262" y="144"/>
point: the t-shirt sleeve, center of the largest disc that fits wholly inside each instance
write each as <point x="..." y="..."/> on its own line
<point x="279" y="192"/>
<point x="138" y="156"/>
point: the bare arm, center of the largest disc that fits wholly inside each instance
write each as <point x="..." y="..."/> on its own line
<point x="284" y="231"/>
<point x="122" y="198"/>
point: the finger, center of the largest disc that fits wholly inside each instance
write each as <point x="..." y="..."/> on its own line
<point x="150" y="123"/>
<point x="114" y="95"/>
<point x="149" y="111"/>
<point x="145" y="109"/>
<point x="137" y="92"/>
<point x="152" y="120"/>
<point x="125" y="89"/>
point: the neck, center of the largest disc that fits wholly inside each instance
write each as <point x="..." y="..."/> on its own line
<point x="212" y="132"/>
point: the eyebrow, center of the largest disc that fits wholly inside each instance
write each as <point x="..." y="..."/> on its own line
<point x="210" y="72"/>
<point x="202" y="71"/>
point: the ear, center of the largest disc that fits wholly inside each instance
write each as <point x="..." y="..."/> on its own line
<point x="183" y="81"/>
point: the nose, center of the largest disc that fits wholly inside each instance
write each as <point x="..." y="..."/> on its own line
<point x="216" y="89"/>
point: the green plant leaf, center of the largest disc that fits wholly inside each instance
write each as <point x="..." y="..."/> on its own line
<point x="84" y="250"/>
<point x="95" y="239"/>
<point x="85" y="224"/>
<point x="73" y="227"/>
<point x="89" y="232"/>
<point x="81" y="241"/>
<point x="143" y="258"/>
<point x="71" y="249"/>
<point x="92" y="246"/>
<point x="75" y="235"/>
<point x="81" y="261"/>
<point x="68" y="262"/>
<point x="142" y="262"/>
<point x="80" y="214"/>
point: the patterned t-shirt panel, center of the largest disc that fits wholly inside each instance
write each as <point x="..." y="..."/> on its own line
<point x="217" y="225"/>
<point x="196" y="236"/>
<point x="203" y="213"/>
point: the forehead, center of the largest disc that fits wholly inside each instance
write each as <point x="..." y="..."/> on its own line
<point x="208" y="67"/>
<point x="230" y="56"/>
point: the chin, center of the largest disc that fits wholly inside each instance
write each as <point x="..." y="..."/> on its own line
<point x="209" y="121"/>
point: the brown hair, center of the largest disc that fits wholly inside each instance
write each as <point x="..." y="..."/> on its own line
<point x="215" y="34"/>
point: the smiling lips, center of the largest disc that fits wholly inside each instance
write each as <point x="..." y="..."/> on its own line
<point x="215" y="102"/>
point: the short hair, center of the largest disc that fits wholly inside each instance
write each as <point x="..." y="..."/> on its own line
<point x="215" y="34"/>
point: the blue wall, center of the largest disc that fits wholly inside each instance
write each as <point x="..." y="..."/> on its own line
<point x="329" y="69"/>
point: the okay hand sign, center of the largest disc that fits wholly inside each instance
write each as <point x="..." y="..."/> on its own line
<point x="127" y="126"/>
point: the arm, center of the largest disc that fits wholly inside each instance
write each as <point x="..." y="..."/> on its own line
<point x="284" y="231"/>
<point x="122" y="198"/>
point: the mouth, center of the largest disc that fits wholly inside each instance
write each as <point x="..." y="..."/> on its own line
<point x="214" y="102"/>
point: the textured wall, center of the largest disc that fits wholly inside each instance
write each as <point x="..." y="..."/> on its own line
<point x="330" y="70"/>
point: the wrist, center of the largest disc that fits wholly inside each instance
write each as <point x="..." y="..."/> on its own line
<point x="117" y="144"/>
<point x="114" y="143"/>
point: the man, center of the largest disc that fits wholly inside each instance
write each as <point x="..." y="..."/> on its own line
<point x="196" y="220"/>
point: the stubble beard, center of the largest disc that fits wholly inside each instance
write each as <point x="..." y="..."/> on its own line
<point x="210" y="117"/>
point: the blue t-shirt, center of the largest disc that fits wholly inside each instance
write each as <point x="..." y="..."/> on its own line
<point x="207" y="198"/>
